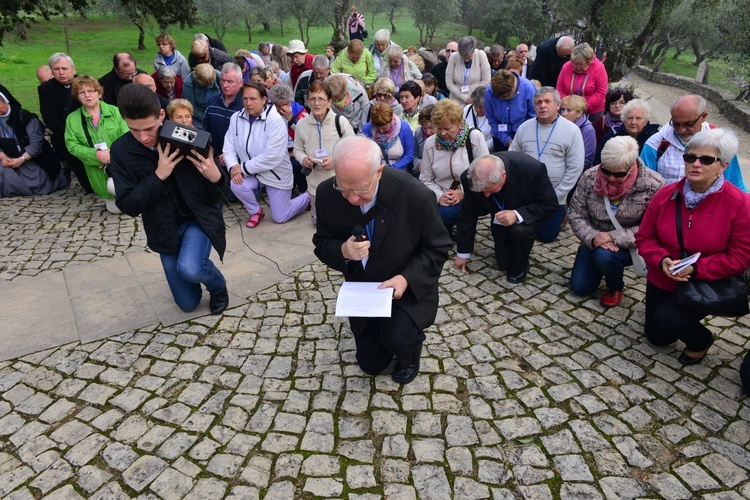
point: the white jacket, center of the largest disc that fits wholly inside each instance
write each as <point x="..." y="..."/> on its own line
<point x="260" y="148"/>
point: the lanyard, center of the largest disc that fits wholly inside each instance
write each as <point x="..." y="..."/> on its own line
<point x="319" y="126"/>
<point x="466" y="75"/>
<point x="370" y="229"/>
<point x="582" y="89"/>
<point x="501" y="206"/>
<point x="539" y="152"/>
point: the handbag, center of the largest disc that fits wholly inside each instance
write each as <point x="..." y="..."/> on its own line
<point x="639" y="265"/>
<point x="722" y="297"/>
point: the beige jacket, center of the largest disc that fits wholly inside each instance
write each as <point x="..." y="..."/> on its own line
<point x="307" y="142"/>
<point x="479" y="73"/>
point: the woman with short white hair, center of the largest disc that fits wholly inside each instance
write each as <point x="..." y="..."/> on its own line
<point x="399" y="68"/>
<point x="636" y="123"/>
<point x="617" y="190"/>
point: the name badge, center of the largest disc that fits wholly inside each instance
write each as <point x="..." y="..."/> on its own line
<point x="502" y="127"/>
<point x="465" y="89"/>
<point x="101" y="146"/>
<point x="290" y="143"/>
<point x="321" y="153"/>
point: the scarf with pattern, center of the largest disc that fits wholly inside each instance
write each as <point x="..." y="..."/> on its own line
<point x="460" y="140"/>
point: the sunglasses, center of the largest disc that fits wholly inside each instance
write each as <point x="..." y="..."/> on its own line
<point x="616" y="175"/>
<point x="380" y="95"/>
<point x="619" y="90"/>
<point x="705" y="160"/>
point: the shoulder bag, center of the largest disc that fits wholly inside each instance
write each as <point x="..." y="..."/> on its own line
<point x="639" y="265"/>
<point x="722" y="297"/>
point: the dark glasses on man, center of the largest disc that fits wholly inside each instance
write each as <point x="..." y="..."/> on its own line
<point x="616" y="175"/>
<point x="705" y="159"/>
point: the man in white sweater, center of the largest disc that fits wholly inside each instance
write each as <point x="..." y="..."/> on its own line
<point x="558" y="144"/>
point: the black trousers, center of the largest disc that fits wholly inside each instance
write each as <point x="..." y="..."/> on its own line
<point x="379" y="339"/>
<point x="513" y="246"/>
<point x="74" y="164"/>
<point x="666" y="323"/>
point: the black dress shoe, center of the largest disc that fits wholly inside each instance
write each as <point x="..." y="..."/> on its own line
<point x="517" y="277"/>
<point x="405" y="375"/>
<point x="219" y="301"/>
<point x="407" y="367"/>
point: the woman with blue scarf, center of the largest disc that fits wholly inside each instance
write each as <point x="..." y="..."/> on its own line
<point x="393" y="135"/>
<point x="447" y="154"/>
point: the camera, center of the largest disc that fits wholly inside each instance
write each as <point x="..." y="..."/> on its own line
<point x="184" y="138"/>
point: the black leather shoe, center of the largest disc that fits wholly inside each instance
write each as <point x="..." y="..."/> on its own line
<point x="407" y="368"/>
<point x="403" y="375"/>
<point x="518" y="277"/>
<point x="219" y="301"/>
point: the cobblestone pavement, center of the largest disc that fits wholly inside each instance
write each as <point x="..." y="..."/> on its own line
<point x="525" y="392"/>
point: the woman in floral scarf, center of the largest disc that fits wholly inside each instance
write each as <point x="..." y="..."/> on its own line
<point x="605" y="250"/>
<point x="392" y="134"/>
<point x="446" y="156"/>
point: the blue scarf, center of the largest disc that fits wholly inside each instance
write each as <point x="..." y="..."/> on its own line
<point x="692" y="198"/>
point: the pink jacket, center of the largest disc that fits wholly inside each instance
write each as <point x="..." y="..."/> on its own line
<point x="718" y="228"/>
<point x="591" y="85"/>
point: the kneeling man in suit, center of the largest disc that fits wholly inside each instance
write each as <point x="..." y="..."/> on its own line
<point x="515" y="190"/>
<point x="405" y="248"/>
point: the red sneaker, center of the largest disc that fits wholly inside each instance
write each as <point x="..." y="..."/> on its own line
<point x="612" y="298"/>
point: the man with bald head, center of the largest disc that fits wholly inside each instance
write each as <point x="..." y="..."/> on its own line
<point x="123" y="72"/>
<point x="148" y="81"/>
<point x="550" y="57"/>
<point x="663" y="151"/>
<point x="402" y="253"/>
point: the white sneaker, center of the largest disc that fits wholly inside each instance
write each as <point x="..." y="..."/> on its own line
<point x="111" y="186"/>
<point x="111" y="207"/>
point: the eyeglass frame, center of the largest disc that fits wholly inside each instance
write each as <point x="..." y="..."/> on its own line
<point x="358" y="192"/>
<point x="686" y="125"/>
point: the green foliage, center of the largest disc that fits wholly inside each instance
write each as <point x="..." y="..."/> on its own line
<point x="431" y="14"/>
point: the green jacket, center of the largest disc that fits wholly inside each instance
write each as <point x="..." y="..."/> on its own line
<point x="364" y="70"/>
<point x="111" y="127"/>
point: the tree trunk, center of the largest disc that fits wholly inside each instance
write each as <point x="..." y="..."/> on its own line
<point x="340" y="27"/>
<point x="20" y="28"/>
<point x="267" y="26"/>
<point x="621" y="59"/>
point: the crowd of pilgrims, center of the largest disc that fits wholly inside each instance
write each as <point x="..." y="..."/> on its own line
<point x="276" y="113"/>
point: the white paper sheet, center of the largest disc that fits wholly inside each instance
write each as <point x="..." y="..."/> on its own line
<point x="687" y="261"/>
<point x="364" y="300"/>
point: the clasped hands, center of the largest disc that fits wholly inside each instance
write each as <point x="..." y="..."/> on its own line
<point x="355" y="250"/>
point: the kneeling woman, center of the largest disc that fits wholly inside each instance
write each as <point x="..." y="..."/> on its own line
<point x="28" y="166"/>
<point x="256" y="148"/>
<point x="626" y="185"/>
<point x="715" y="221"/>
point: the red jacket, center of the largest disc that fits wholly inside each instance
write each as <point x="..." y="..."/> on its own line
<point x="295" y="70"/>
<point x="718" y="228"/>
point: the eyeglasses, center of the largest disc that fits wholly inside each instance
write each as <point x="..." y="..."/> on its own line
<point x="675" y="125"/>
<point x="317" y="99"/>
<point x="358" y="192"/>
<point x="705" y="160"/>
<point x="123" y="74"/>
<point x="87" y="92"/>
<point x="616" y="175"/>
<point x="380" y="95"/>
<point x="448" y="51"/>
<point x="620" y="103"/>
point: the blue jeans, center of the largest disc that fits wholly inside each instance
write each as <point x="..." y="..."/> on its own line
<point x="590" y="265"/>
<point x="450" y="215"/>
<point x="190" y="267"/>
<point x="550" y="228"/>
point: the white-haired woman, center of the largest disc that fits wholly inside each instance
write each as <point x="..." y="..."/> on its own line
<point x="623" y="186"/>
<point x="398" y="68"/>
<point x="636" y="123"/>
<point x="467" y="69"/>
<point x="715" y="221"/>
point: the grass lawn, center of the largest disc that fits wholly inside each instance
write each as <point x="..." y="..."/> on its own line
<point x="93" y="42"/>
<point x="721" y="74"/>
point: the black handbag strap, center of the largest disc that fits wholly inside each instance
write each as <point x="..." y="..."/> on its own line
<point x="86" y="129"/>
<point x="678" y="219"/>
